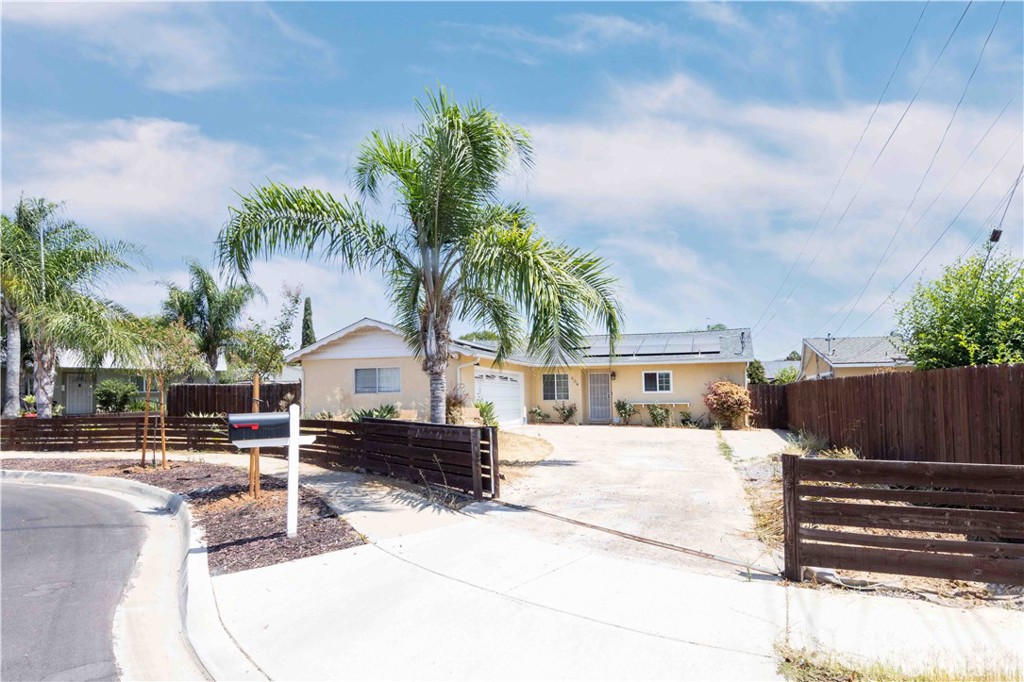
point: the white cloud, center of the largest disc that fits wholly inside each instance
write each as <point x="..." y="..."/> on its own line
<point x="125" y="175"/>
<point x="177" y="47"/>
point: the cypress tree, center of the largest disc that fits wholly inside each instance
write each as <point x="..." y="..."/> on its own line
<point x="308" y="337"/>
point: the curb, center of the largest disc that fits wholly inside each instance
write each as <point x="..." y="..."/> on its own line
<point x="208" y="642"/>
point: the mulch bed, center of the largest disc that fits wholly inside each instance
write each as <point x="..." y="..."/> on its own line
<point x="241" y="533"/>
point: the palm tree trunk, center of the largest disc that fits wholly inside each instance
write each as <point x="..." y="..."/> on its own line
<point x="45" y="373"/>
<point x="438" y="388"/>
<point x="12" y="401"/>
<point x="211" y="360"/>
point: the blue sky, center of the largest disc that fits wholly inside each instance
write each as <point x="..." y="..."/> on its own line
<point x="695" y="145"/>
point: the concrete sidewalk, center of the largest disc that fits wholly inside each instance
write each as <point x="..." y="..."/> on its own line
<point x="474" y="600"/>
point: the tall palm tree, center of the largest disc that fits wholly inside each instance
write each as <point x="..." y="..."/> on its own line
<point x="53" y="272"/>
<point x="456" y="251"/>
<point x="209" y="311"/>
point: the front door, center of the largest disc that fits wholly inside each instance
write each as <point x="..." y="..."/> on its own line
<point x="78" y="399"/>
<point x="600" y="397"/>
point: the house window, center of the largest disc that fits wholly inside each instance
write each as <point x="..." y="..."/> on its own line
<point x="556" y="387"/>
<point x="378" y="380"/>
<point x="657" y="382"/>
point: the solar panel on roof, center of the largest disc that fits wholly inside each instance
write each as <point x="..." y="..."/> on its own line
<point x="598" y="347"/>
<point x="708" y="345"/>
<point x="628" y="347"/>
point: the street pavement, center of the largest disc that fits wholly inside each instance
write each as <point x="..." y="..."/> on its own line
<point x="66" y="558"/>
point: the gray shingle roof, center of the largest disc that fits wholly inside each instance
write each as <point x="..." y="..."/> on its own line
<point x="860" y="350"/>
<point x="706" y="346"/>
<point x="773" y="367"/>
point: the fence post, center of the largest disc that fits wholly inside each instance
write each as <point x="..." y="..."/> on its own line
<point x="478" y="481"/>
<point x="495" y="478"/>
<point x="790" y="519"/>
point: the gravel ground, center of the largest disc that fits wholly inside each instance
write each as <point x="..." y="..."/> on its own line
<point x="241" y="533"/>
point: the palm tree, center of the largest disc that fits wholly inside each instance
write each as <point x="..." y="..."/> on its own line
<point x="53" y="270"/>
<point x="457" y="252"/>
<point x="209" y="311"/>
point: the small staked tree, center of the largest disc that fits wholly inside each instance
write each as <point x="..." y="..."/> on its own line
<point x="308" y="335"/>
<point x="756" y="373"/>
<point x="168" y="352"/>
<point x="258" y="350"/>
<point x="972" y="314"/>
<point x="455" y="251"/>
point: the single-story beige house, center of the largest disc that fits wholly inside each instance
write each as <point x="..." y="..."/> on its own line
<point x="367" y="364"/>
<point x="837" y="357"/>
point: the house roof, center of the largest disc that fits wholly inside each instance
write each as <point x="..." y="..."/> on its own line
<point x="773" y="367"/>
<point x="859" y="350"/>
<point x="729" y="345"/>
<point x="71" y="359"/>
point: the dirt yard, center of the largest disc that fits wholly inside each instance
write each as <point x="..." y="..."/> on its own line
<point x="518" y="452"/>
<point x="241" y="533"/>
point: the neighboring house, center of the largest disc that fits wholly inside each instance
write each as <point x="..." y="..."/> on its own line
<point x="368" y="363"/>
<point x="832" y="357"/>
<point x="773" y="367"/>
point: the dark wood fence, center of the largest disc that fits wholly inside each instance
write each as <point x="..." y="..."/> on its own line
<point x="207" y="399"/>
<point x="979" y="507"/>
<point x="768" y="406"/>
<point x="962" y="415"/>
<point x="463" y="458"/>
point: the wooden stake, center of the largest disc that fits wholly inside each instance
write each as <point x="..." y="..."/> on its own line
<point x="254" y="453"/>
<point x="145" y="418"/>
<point x="163" y="424"/>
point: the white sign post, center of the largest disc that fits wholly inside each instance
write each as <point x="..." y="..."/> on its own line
<point x="293" y="471"/>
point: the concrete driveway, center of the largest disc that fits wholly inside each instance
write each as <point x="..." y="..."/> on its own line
<point x="669" y="485"/>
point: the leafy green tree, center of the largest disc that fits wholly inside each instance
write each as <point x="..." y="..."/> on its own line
<point x="211" y="311"/>
<point x="756" y="373"/>
<point x="482" y="335"/>
<point x="972" y="314"/>
<point x="308" y="336"/>
<point x="786" y="375"/>
<point x="168" y="351"/>
<point x="455" y="253"/>
<point x="53" y="275"/>
<point x="793" y="355"/>
<point x="717" y="327"/>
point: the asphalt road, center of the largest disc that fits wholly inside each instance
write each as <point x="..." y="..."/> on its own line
<point x="66" y="558"/>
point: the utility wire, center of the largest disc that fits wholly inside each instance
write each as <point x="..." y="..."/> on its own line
<point x="938" y="239"/>
<point x="928" y="170"/>
<point x="873" y="164"/>
<point x="846" y="167"/>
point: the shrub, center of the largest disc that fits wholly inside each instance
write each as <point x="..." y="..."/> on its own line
<point x="565" y="411"/>
<point x="453" y="404"/>
<point x="786" y="375"/>
<point x="728" y="402"/>
<point x="114" y="395"/>
<point x="139" y="405"/>
<point x="488" y="415"/>
<point x="626" y="410"/>
<point x="660" y="415"/>
<point x="325" y="415"/>
<point x="387" y="411"/>
<point x="756" y="373"/>
<point x="686" y="419"/>
<point x="538" y="415"/>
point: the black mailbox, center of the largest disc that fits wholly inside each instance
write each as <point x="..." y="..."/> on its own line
<point x="258" y="426"/>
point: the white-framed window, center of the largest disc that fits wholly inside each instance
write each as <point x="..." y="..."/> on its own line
<point x="378" y="380"/>
<point x="657" y="382"/>
<point x="556" y="387"/>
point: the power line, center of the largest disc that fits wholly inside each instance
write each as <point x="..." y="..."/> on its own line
<point x="846" y="167"/>
<point x="927" y="172"/>
<point x="939" y="238"/>
<point x="873" y="163"/>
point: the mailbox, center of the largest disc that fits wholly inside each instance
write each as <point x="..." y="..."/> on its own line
<point x="258" y="426"/>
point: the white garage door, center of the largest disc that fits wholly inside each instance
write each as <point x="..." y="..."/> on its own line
<point x="505" y="390"/>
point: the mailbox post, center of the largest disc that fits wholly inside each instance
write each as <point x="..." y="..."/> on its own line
<point x="274" y="429"/>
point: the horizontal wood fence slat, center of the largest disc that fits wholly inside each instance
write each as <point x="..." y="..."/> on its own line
<point x="979" y="508"/>
<point x="965" y="414"/>
<point x="208" y="399"/>
<point x="463" y="458"/>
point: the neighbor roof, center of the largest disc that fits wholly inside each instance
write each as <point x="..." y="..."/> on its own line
<point x="860" y="350"/>
<point x="773" y="367"/>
